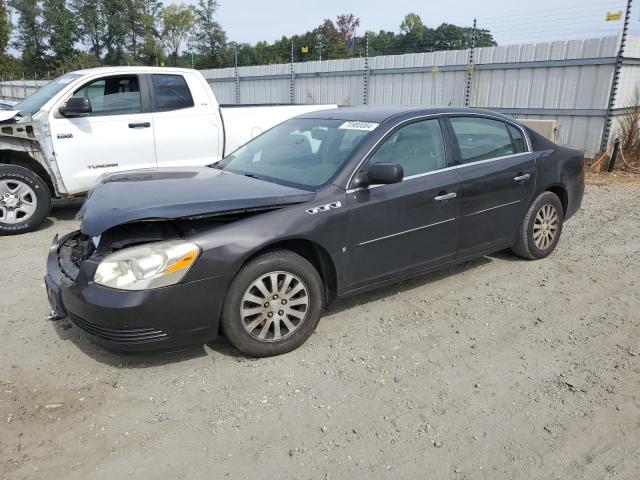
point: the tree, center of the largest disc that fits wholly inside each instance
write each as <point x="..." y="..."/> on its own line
<point x="412" y="25"/>
<point x="5" y="34"/>
<point x="209" y="39"/>
<point x="150" y="50"/>
<point x="346" y="24"/>
<point x="116" y="17"/>
<point x="5" y="28"/>
<point x="92" y="24"/>
<point x="30" y="36"/>
<point x="63" y="31"/>
<point x="177" y="23"/>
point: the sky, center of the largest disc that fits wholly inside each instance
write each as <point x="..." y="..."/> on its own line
<point x="512" y="21"/>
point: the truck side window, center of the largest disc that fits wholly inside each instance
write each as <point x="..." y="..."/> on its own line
<point x="172" y="93"/>
<point x="113" y="95"/>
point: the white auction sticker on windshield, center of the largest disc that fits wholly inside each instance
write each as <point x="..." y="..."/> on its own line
<point x="367" y="126"/>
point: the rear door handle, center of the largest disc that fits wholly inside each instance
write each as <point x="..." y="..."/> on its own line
<point x="446" y="196"/>
<point x="522" y="178"/>
<point x="140" y="125"/>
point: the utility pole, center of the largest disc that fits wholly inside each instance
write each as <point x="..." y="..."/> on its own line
<point x="471" y="67"/>
<point x="616" y="78"/>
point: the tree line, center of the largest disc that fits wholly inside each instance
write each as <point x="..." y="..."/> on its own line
<point x="43" y="38"/>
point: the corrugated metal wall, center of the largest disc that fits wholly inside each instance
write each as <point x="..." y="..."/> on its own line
<point x="568" y="81"/>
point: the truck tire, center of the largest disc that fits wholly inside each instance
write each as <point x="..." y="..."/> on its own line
<point x="25" y="200"/>
<point x="273" y="304"/>
<point x="541" y="228"/>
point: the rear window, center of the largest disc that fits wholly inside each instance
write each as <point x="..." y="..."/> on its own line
<point x="518" y="139"/>
<point x="172" y="93"/>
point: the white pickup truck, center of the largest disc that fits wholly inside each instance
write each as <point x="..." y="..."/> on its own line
<point x="58" y="141"/>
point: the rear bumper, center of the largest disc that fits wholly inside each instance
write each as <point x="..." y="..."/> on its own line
<point x="136" y="320"/>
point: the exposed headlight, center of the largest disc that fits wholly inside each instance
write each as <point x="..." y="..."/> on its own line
<point x="147" y="266"/>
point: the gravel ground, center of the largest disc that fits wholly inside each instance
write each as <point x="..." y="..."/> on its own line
<point x="498" y="368"/>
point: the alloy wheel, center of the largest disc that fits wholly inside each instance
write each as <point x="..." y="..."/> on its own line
<point x="18" y="201"/>
<point x="274" y="306"/>
<point x="545" y="227"/>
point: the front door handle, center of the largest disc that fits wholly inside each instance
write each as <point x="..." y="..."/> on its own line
<point x="446" y="196"/>
<point x="522" y="178"/>
<point x="140" y="125"/>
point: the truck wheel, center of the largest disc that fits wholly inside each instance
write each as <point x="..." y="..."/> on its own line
<point x="541" y="228"/>
<point x="273" y="305"/>
<point x="25" y="200"/>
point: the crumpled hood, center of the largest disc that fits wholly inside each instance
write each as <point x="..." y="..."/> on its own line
<point x="168" y="193"/>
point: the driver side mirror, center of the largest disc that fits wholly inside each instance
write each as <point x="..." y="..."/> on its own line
<point x="76" y="107"/>
<point x="379" y="174"/>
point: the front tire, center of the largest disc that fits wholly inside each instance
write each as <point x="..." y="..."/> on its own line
<point x="25" y="200"/>
<point x="541" y="228"/>
<point x="273" y="304"/>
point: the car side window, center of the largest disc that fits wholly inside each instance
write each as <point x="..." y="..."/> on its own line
<point x="418" y="148"/>
<point x="113" y="95"/>
<point x="482" y="138"/>
<point x="172" y="93"/>
<point x="517" y="138"/>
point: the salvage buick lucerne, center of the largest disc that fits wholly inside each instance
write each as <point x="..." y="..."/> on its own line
<point x="324" y="205"/>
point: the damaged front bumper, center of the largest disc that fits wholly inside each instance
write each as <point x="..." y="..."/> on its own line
<point x="177" y="315"/>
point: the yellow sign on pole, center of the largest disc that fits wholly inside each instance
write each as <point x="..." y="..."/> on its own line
<point x="304" y="49"/>
<point x="613" y="16"/>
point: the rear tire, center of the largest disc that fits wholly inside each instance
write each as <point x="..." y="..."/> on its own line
<point x="25" y="200"/>
<point x="541" y="228"/>
<point x="273" y="304"/>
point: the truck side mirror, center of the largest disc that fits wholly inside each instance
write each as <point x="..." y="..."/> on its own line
<point x="76" y="107"/>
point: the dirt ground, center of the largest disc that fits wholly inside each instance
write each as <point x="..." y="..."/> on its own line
<point x="496" y="369"/>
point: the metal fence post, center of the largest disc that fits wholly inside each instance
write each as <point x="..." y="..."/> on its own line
<point x="614" y="155"/>
<point x="616" y="78"/>
<point x="471" y="67"/>
<point x="235" y="74"/>
<point x="365" y="86"/>
<point x="292" y="79"/>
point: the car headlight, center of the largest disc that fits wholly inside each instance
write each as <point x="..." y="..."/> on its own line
<point x="147" y="266"/>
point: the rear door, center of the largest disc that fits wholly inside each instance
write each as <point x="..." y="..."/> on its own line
<point x="497" y="177"/>
<point x="399" y="228"/>
<point x="186" y="124"/>
<point x="117" y="135"/>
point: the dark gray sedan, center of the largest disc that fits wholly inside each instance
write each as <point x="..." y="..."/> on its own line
<point x="322" y="206"/>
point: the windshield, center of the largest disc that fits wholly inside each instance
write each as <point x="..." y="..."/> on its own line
<point x="34" y="102"/>
<point x="302" y="152"/>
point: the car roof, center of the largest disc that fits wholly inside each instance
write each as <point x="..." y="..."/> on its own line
<point x="379" y="114"/>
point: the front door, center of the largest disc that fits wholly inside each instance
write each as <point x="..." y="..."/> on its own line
<point x="117" y="135"/>
<point x="497" y="176"/>
<point x="407" y="226"/>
